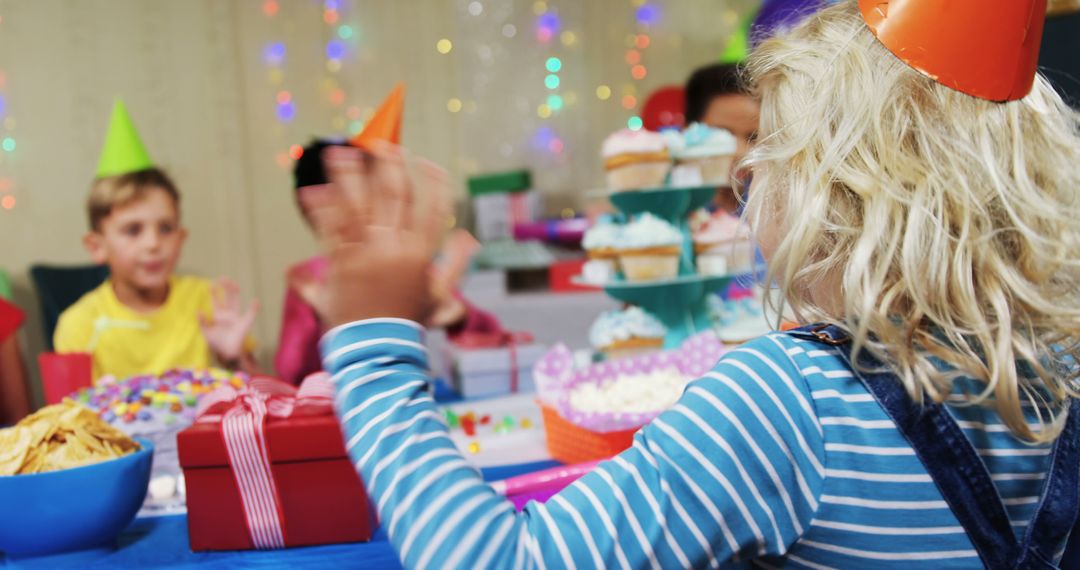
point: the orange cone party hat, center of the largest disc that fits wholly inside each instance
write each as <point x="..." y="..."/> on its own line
<point x="987" y="49"/>
<point x="385" y="125"/>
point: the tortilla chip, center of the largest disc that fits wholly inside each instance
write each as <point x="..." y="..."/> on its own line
<point x="58" y="437"/>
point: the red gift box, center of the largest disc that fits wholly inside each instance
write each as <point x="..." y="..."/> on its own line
<point x="313" y="488"/>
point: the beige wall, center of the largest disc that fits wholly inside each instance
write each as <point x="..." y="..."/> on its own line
<point x="194" y="79"/>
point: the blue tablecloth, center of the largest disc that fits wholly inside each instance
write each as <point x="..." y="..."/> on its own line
<point x="162" y="542"/>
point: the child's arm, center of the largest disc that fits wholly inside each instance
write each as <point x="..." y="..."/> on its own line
<point x="227" y="330"/>
<point x="734" y="470"/>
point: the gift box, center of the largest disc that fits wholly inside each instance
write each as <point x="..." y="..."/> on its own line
<point x="492" y="365"/>
<point x="265" y="467"/>
<point x="502" y="201"/>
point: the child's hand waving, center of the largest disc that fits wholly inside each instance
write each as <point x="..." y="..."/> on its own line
<point x="379" y="246"/>
<point x="227" y="329"/>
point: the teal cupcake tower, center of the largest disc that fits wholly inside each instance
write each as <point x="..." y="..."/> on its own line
<point x="681" y="302"/>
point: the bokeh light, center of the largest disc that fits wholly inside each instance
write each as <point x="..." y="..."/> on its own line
<point x="345" y="31"/>
<point x="551" y="82"/>
<point x="543" y="111"/>
<point x="453" y="105"/>
<point x="444" y="46"/>
<point x="603" y="92"/>
<point x="634" y="123"/>
<point x="629" y="101"/>
<point x="8" y="144"/>
<point x="553" y="64"/>
<point x="555" y="102"/>
<point x="296" y="151"/>
<point x="638" y="71"/>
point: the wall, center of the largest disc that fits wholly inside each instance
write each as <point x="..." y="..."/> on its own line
<point x="196" y="81"/>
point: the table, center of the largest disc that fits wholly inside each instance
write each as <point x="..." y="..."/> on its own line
<point x="162" y="542"/>
<point x="156" y="542"/>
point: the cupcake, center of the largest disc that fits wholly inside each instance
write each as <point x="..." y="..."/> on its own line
<point x="635" y="159"/>
<point x="737" y="320"/>
<point x="702" y="155"/>
<point x="620" y="334"/>
<point x="722" y="243"/>
<point x="650" y="249"/>
<point x="601" y="243"/>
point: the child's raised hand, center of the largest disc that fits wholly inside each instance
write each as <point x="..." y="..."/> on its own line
<point x="227" y="329"/>
<point x="379" y="246"/>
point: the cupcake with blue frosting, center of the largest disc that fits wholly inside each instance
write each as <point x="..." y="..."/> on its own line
<point x="625" y="333"/>
<point x="601" y="244"/>
<point x="650" y="249"/>
<point x="702" y="155"/>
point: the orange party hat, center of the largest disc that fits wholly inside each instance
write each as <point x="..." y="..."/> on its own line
<point x="987" y="49"/>
<point x="385" y="124"/>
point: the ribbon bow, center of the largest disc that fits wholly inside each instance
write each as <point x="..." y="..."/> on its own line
<point x="243" y="415"/>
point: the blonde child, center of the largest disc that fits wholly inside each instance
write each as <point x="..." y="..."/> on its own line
<point x="929" y="419"/>
<point x="145" y="319"/>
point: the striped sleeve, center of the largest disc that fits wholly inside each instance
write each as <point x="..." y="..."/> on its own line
<point x="732" y="472"/>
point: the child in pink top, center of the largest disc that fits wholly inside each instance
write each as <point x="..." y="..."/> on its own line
<point x="301" y="323"/>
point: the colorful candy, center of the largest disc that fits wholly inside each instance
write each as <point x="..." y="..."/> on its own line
<point x="177" y="391"/>
<point x="468" y="423"/>
<point x="474" y="447"/>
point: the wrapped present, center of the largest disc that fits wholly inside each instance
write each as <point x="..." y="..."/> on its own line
<point x="265" y="467"/>
<point x="502" y="201"/>
<point x="482" y="365"/>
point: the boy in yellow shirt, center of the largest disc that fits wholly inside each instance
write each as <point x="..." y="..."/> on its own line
<point x="144" y="319"/>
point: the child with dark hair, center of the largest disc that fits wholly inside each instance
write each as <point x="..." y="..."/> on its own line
<point x="303" y="319"/>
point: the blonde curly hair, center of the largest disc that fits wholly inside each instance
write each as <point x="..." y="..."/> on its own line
<point x="942" y="231"/>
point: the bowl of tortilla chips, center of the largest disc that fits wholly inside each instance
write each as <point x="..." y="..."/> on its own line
<point x="68" y="482"/>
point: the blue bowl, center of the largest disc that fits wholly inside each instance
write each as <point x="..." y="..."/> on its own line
<point x="74" y="509"/>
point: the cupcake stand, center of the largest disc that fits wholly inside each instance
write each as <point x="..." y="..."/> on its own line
<point x="680" y="303"/>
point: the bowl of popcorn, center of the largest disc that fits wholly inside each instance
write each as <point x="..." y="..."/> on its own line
<point x="592" y="412"/>
<point x="69" y="483"/>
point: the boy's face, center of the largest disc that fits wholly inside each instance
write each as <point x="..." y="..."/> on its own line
<point x="140" y="241"/>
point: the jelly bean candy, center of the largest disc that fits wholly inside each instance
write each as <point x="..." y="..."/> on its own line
<point x="452" y="419"/>
<point x="526" y="423"/>
<point x="485" y="420"/>
<point x="469" y="425"/>
<point x="175" y="407"/>
<point x="191" y="400"/>
<point x="474" y="447"/>
<point x="129" y="417"/>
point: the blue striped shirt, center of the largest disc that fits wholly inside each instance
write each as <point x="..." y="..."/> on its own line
<point x="778" y="457"/>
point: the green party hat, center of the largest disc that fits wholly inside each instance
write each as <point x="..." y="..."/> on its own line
<point x="738" y="47"/>
<point x="123" y="151"/>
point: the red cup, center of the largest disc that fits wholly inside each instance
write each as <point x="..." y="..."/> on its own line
<point x="64" y="374"/>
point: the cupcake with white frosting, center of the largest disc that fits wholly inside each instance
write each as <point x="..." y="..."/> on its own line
<point x="650" y="249"/>
<point x="702" y="155"/>
<point x="635" y="159"/>
<point x="601" y="244"/>
<point x="620" y="334"/>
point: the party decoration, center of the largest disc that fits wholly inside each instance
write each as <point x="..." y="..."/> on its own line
<point x="385" y="125"/>
<point x="778" y="15"/>
<point x="664" y="109"/>
<point x="989" y="53"/>
<point x="123" y="151"/>
<point x="738" y="46"/>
